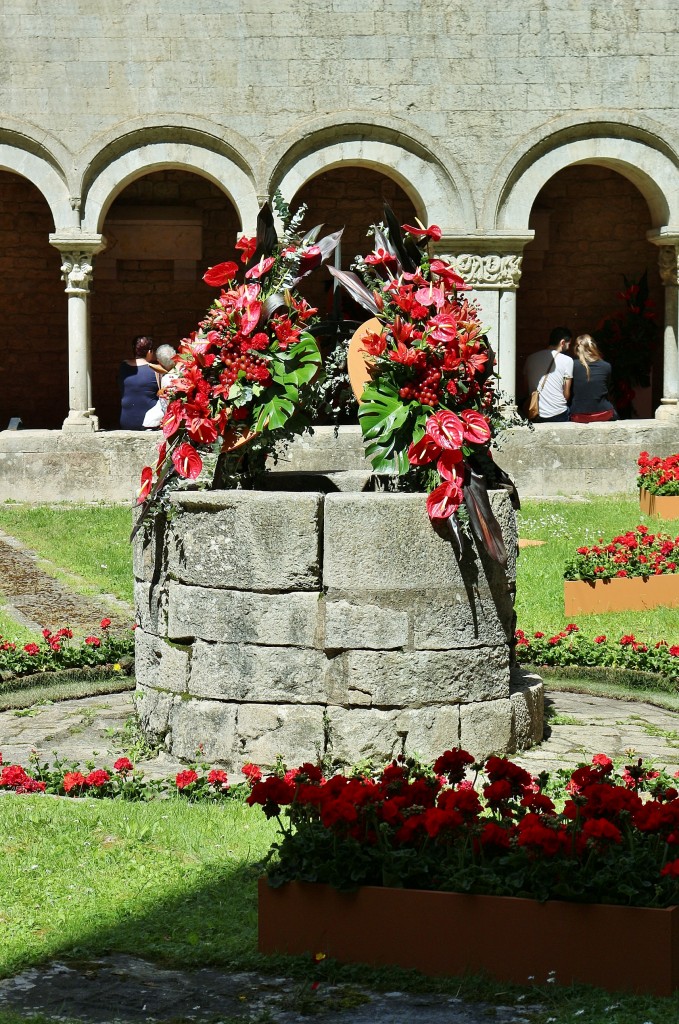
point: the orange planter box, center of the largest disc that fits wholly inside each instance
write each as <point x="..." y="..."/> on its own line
<point x="621" y="595"/>
<point x="515" y="940"/>
<point x="664" y="506"/>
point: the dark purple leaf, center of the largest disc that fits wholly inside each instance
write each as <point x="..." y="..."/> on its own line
<point x="484" y="524"/>
<point x="266" y="236"/>
<point x="356" y="289"/>
<point x="408" y="253"/>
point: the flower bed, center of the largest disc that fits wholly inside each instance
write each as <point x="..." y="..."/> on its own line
<point x="197" y="783"/>
<point x="483" y="831"/>
<point x="658" y="484"/>
<point x="634" y="571"/>
<point x="571" y="647"/>
<point x="59" y="650"/>
<point x="658" y="476"/>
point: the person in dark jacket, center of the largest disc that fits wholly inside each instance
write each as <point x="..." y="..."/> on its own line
<point x="138" y="381"/>
<point x="591" y="381"/>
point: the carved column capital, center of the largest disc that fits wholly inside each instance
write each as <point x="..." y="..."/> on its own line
<point x="76" y="271"/>
<point x="492" y="270"/>
<point x="668" y="264"/>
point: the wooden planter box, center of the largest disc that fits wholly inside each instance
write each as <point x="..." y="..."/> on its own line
<point x="515" y="940"/>
<point x="663" y="506"/>
<point x="620" y="595"/>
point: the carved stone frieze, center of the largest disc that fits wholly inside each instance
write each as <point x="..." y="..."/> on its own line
<point x="668" y="264"/>
<point x="76" y="270"/>
<point x="489" y="271"/>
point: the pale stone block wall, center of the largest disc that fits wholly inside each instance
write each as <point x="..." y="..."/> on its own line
<point x="338" y="624"/>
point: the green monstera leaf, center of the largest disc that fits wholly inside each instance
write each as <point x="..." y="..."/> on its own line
<point x="290" y="371"/>
<point x="386" y="427"/>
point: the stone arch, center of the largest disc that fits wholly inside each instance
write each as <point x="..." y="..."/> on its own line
<point x="30" y="158"/>
<point x="232" y="175"/>
<point x="437" y="196"/>
<point x="635" y="153"/>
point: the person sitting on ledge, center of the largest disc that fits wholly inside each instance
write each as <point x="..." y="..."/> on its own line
<point x="138" y="381"/>
<point x="550" y="373"/>
<point x="591" y="381"/>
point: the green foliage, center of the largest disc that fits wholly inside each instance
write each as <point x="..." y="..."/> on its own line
<point x="386" y="423"/>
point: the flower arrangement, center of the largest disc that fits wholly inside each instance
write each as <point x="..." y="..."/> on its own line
<point x="429" y="410"/>
<point x="627" y="339"/>
<point x="486" y="828"/>
<point x="57" y="650"/>
<point x="242" y="379"/>
<point x="658" y="476"/>
<point x="637" y="552"/>
<point x="571" y="647"/>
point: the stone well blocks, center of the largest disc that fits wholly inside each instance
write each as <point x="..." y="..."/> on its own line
<point x="306" y="624"/>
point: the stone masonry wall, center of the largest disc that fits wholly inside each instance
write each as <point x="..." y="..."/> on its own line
<point x="341" y="624"/>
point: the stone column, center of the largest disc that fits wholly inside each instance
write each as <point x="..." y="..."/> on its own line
<point x="77" y="251"/>
<point x="668" y="263"/>
<point x="494" y="278"/>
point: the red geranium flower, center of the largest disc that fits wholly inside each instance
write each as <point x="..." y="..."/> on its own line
<point x="93" y="641"/>
<point x="123" y="765"/>
<point x="73" y="780"/>
<point x="186" y="778"/>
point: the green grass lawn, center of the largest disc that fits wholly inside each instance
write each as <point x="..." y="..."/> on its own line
<point x="565" y="526"/>
<point x="90" y="541"/>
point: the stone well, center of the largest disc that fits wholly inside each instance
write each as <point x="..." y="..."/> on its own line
<point x="297" y="624"/>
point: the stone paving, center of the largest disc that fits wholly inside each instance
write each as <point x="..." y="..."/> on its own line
<point x="36" y="599"/>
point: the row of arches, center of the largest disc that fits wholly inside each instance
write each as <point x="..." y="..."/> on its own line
<point x="167" y="209"/>
<point x="80" y="190"/>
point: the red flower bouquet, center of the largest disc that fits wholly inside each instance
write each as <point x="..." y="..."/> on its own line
<point x="658" y="476"/>
<point x="429" y="409"/>
<point x="242" y="379"/>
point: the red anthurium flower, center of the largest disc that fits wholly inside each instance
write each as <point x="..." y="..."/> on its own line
<point x="431" y="296"/>
<point x="434" y="232"/>
<point x="311" y="257"/>
<point x="380" y="258"/>
<point x="449" y="277"/>
<point x="444" y="500"/>
<point x="146" y="485"/>
<point x="201" y="430"/>
<point x="187" y="461"/>
<point x="248" y="246"/>
<point x="173" y="418"/>
<point x="446" y="429"/>
<point x="424" y="451"/>
<point x="476" y="428"/>
<point x="220" y="274"/>
<point x="261" y="268"/>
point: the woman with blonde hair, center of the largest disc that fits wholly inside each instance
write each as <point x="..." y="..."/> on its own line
<point x="591" y="381"/>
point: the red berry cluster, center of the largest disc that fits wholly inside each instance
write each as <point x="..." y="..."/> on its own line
<point x="254" y="367"/>
<point x="425" y="385"/>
